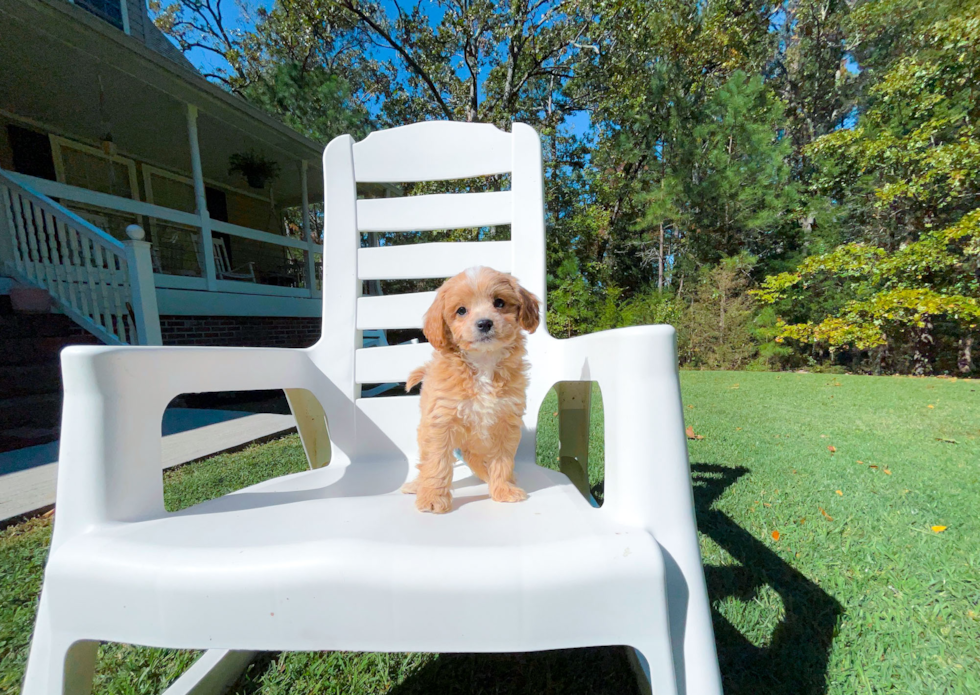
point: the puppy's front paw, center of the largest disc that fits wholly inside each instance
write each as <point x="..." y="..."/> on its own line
<point x="508" y="492"/>
<point x="411" y="487"/>
<point x="435" y="501"/>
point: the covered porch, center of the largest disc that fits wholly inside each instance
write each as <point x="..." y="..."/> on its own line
<point x="119" y="134"/>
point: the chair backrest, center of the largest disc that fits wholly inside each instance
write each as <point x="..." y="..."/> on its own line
<point x="221" y="264"/>
<point x="429" y="151"/>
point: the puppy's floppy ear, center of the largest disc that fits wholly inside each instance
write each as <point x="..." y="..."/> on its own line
<point x="528" y="310"/>
<point x="434" y="325"/>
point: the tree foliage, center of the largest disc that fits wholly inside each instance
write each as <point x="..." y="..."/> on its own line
<point x="903" y="184"/>
<point x="823" y="154"/>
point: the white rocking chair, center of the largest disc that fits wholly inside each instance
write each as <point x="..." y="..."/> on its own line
<point x="222" y="265"/>
<point x="336" y="558"/>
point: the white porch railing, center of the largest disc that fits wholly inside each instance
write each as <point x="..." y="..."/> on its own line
<point x="170" y="223"/>
<point x="104" y="285"/>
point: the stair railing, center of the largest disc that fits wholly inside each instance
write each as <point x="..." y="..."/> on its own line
<point x="105" y="285"/>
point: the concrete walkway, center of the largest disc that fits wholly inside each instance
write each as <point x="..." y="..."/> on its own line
<point x="28" y="476"/>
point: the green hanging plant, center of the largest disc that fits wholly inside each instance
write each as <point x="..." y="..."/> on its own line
<point x="256" y="169"/>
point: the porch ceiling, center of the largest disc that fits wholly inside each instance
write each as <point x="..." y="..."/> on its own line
<point x="53" y="58"/>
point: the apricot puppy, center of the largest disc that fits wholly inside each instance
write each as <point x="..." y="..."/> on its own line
<point x="473" y="388"/>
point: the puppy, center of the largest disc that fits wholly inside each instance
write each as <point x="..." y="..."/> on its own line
<point x="473" y="390"/>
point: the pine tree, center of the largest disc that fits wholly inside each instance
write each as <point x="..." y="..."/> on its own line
<point x="737" y="184"/>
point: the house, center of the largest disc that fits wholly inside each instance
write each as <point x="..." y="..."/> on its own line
<point x="105" y="125"/>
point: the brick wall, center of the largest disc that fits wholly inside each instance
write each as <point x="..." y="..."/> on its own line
<point x="240" y="331"/>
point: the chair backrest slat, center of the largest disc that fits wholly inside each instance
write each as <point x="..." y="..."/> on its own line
<point x="393" y="310"/>
<point x="435" y="260"/>
<point x="440" y="211"/>
<point x="389" y="364"/>
<point x="433" y="151"/>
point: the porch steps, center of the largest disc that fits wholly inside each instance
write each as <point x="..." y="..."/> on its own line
<point x="30" y="373"/>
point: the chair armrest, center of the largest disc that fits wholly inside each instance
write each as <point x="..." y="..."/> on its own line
<point x="653" y="349"/>
<point x="647" y="474"/>
<point x="110" y="452"/>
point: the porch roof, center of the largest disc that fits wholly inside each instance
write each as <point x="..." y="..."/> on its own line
<point x="72" y="73"/>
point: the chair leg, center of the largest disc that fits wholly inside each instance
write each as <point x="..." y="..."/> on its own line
<point x="311" y="422"/>
<point x="653" y="656"/>
<point x="58" y="665"/>
<point x="655" y="667"/>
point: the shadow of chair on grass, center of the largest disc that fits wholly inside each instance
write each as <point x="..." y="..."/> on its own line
<point x="794" y="662"/>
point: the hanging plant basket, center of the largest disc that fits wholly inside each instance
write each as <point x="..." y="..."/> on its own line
<point x="256" y="169"/>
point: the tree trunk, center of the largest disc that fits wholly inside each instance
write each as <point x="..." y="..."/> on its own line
<point x="721" y="323"/>
<point x="965" y="361"/>
<point x="660" y="262"/>
<point x="922" y="365"/>
<point x="879" y="359"/>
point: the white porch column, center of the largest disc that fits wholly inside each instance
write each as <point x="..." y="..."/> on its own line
<point x="311" y="246"/>
<point x="201" y="200"/>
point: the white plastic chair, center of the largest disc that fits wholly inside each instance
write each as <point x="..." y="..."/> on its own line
<point x="336" y="558"/>
<point x="222" y="266"/>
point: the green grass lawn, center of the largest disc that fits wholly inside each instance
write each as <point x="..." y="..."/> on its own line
<point x="816" y="499"/>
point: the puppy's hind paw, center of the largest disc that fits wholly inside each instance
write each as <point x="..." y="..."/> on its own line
<point x="507" y="493"/>
<point x="411" y="487"/>
<point x="435" y="501"/>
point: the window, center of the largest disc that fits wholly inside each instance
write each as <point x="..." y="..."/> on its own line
<point x="91" y="168"/>
<point x="109" y="10"/>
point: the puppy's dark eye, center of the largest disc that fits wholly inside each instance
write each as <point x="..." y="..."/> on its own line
<point x="498" y="303"/>
<point x="461" y="311"/>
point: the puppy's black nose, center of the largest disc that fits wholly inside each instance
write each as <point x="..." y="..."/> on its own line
<point x="484" y="325"/>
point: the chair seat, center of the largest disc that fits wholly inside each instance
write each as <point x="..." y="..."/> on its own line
<point x="320" y="559"/>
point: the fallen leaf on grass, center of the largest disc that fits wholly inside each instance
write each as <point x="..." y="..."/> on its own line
<point x="775" y="535"/>
<point x="839" y="493"/>
<point x="832" y="449"/>
<point x="766" y="504"/>
<point x="735" y="386"/>
<point x="930" y="406"/>
<point x="861" y="462"/>
<point x="555" y="414"/>
<point x="947" y="441"/>
<point x="690" y="406"/>
<point x="826" y="516"/>
<point x="802" y="521"/>
<point x="873" y="466"/>
<point x="938" y="529"/>
<point x="690" y="433"/>
<point x="887" y="472"/>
